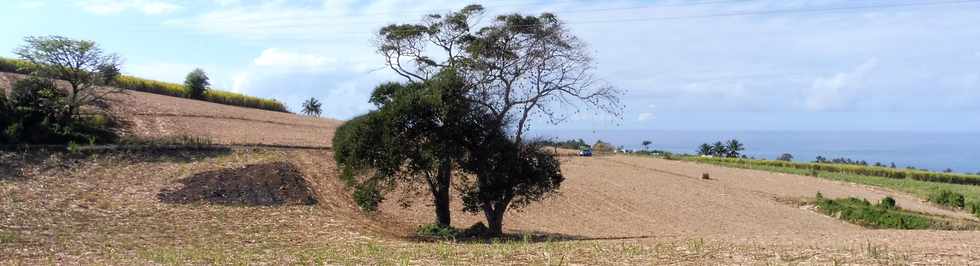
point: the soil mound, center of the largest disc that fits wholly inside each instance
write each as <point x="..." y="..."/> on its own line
<point x="268" y="184"/>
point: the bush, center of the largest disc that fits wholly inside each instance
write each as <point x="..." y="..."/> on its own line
<point x="860" y="211"/>
<point x="196" y="84"/>
<point x="367" y="196"/>
<point x="948" y="198"/>
<point x="974" y="208"/>
<point x="437" y="231"/>
<point x="887" y="203"/>
<point x="36" y="112"/>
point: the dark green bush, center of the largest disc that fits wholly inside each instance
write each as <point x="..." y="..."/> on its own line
<point x="948" y="198"/>
<point x="367" y="196"/>
<point x="437" y="231"/>
<point x="887" y="203"/>
<point x="36" y="112"/>
<point x="974" y="208"/>
<point x="862" y="212"/>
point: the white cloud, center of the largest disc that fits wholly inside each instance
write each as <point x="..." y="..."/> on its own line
<point x="112" y="7"/>
<point x="838" y="92"/>
<point x="278" y="58"/>
<point x="645" y="116"/>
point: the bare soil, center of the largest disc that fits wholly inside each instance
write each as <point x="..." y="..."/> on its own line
<point x="276" y="183"/>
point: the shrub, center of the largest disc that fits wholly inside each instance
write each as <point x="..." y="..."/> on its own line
<point x="367" y="196"/>
<point x="196" y="84"/>
<point x="785" y="157"/>
<point x="974" y="208"/>
<point x="948" y="198"/>
<point x="860" y="211"/>
<point x="37" y="113"/>
<point x="887" y="203"/>
<point x="437" y="231"/>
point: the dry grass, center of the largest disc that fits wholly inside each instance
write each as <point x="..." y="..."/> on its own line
<point x="103" y="209"/>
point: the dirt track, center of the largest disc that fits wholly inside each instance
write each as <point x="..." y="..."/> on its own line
<point x="625" y="197"/>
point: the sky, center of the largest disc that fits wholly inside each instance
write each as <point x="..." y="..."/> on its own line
<point x="831" y="65"/>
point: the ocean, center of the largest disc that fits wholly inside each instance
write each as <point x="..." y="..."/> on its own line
<point x="935" y="151"/>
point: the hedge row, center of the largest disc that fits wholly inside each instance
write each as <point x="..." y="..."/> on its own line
<point x="951" y="178"/>
<point x="166" y="88"/>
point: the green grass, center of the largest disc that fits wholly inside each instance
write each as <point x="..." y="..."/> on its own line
<point x="950" y="178"/>
<point x="862" y="212"/>
<point x="166" y="88"/>
<point x="919" y="188"/>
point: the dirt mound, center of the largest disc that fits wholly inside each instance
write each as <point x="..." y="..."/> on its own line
<point x="276" y="183"/>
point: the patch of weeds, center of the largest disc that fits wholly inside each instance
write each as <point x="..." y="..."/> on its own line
<point x="948" y="198"/>
<point x="7" y="237"/>
<point x="862" y="212"/>
<point x="974" y="208"/>
<point x="696" y="245"/>
<point x="874" y="251"/>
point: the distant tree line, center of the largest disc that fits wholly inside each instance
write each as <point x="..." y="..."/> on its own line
<point x="730" y="149"/>
<point x="572" y="144"/>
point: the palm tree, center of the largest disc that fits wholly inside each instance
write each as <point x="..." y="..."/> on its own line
<point x="312" y="107"/>
<point x="704" y="149"/>
<point x="719" y="149"/>
<point x="734" y="148"/>
<point x="646" y="144"/>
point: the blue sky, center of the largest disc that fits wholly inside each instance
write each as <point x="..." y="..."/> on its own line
<point x="697" y="65"/>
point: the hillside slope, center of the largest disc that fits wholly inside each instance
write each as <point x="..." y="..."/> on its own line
<point x="156" y="116"/>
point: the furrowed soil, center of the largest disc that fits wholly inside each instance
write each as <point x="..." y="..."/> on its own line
<point x="288" y="206"/>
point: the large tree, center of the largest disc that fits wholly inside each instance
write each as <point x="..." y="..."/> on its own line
<point x="82" y="64"/>
<point x="413" y="141"/>
<point x="516" y="67"/>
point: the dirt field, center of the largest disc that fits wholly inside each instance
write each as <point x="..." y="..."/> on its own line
<point x="287" y="206"/>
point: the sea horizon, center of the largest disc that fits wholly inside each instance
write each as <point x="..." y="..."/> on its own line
<point x="932" y="150"/>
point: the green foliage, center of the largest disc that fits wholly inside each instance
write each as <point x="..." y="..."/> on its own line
<point x="862" y="212"/>
<point x="951" y="178"/>
<point x="37" y="112"/>
<point x="731" y="149"/>
<point x="368" y="196"/>
<point x="437" y="231"/>
<point x="566" y="144"/>
<point x="196" y="84"/>
<point x="887" y="203"/>
<point x="948" y="198"/>
<point x="312" y="107"/>
<point x="785" y="157"/>
<point x="974" y="208"/>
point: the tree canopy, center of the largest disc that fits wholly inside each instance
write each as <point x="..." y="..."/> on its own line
<point x="82" y="64"/>
<point x="196" y="84"/>
<point x="312" y="107"/>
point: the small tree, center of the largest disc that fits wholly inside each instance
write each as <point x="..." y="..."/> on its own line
<point x="785" y="157"/>
<point x="312" y="107"/>
<point x="719" y="149"/>
<point x="82" y="64"/>
<point x="734" y="148"/>
<point x="646" y="144"/>
<point x="705" y="149"/>
<point x="196" y="84"/>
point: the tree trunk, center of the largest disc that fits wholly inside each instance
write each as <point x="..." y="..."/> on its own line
<point x="441" y="194"/>
<point x="494" y="212"/>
